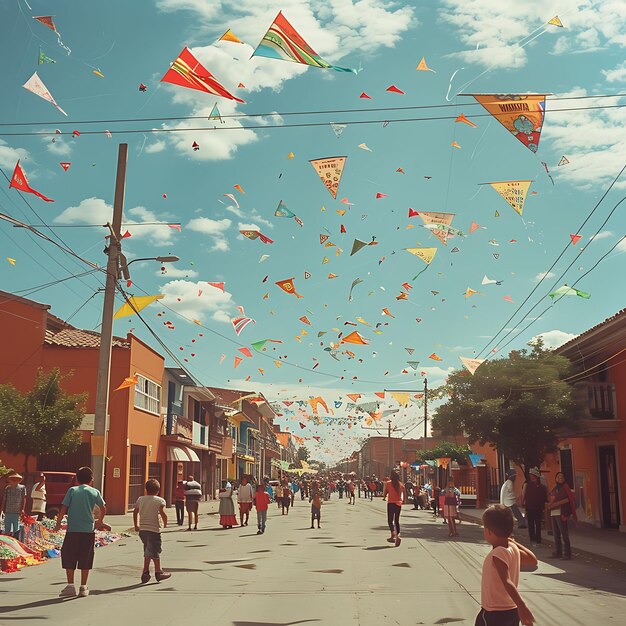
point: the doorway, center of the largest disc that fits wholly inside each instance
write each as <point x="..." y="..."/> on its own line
<point x="136" y="474"/>
<point x="609" y="487"/>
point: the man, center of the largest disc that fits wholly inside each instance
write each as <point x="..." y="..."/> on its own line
<point x="193" y="493"/>
<point x="509" y="499"/>
<point x="13" y="503"/>
<point x="244" y="498"/>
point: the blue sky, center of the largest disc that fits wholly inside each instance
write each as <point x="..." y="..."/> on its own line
<point x="495" y="48"/>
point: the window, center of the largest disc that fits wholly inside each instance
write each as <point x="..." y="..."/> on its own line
<point x="147" y="395"/>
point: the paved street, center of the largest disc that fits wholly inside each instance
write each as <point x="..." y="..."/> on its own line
<point x="344" y="573"/>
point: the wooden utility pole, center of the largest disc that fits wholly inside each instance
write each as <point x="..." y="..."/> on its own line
<point x="425" y="411"/>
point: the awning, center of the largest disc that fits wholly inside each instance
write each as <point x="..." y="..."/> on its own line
<point x="182" y="454"/>
<point x="239" y="418"/>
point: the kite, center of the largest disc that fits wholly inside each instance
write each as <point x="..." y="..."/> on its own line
<point x="355" y="282"/>
<point x="385" y="311"/>
<point x="20" y="182"/>
<point x="490" y="281"/>
<point x="365" y="147"/>
<point x="283" y="211"/>
<point x="219" y="286"/>
<point x="422" y="67"/>
<point x="307" y="275"/>
<point x="187" y="71"/>
<point x="521" y="114"/>
<point x="239" y="323"/>
<point x="35" y="85"/>
<point x="230" y="36"/>
<point x="400" y="171"/>
<point x="455" y="144"/>
<point x="143" y="88"/>
<point x="575" y="239"/>
<point x="434" y="357"/>
<point x="239" y="188"/>
<point x="47" y="20"/>
<point x="44" y="58"/>
<point x="291" y="155"/>
<point x="556" y="21"/>
<point x="509" y="299"/>
<point x="283" y="42"/>
<point x="65" y="165"/>
<point x="412" y="212"/>
<point x="474" y="226"/>
<point x="364" y="95"/>
<point x="381" y="195"/>
<point x="394" y="89"/>
<point x="358" y="245"/>
<point x="10" y="260"/>
<point x="355" y="338"/>
<point x="246" y="352"/>
<point x="130" y="381"/>
<point x="259" y="345"/>
<point x="264" y="257"/>
<point x="256" y="234"/>
<point x="338" y="128"/>
<point x="238" y="361"/>
<point x="513" y="191"/>
<point x="413" y="364"/>
<point x="469" y="292"/>
<point x="569" y="291"/>
<point x="563" y="161"/>
<point x="98" y="73"/>
<point x="195" y="146"/>
<point x="323" y="238"/>
<point x="135" y="304"/>
<point x="330" y="171"/>
<point x="438" y="224"/>
<point x="426" y="254"/>
<point x="464" y="120"/>
<point x="215" y="114"/>
<point x="331" y="275"/>
<point x="288" y="287"/>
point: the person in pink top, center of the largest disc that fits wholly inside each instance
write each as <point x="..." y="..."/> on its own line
<point x="395" y="494"/>
<point x="501" y="603"/>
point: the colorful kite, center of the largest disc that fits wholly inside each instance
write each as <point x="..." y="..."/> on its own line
<point x="239" y="323"/>
<point x="256" y="234"/>
<point x="422" y="67"/>
<point x="283" y="211"/>
<point x="556" y="21"/>
<point x="426" y="254"/>
<point x="215" y="114"/>
<point x="565" y="290"/>
<point x="47" y="20"/>
<point x="513" y="191"/>
<point x="521" y="114"/>
<point x="259" y="346"/>
<point x="35" y="85"/>
<point x="128" y="382"/>
<point x="44" y="58"/>
<point x="187" y="71"/>
<point x="283" y="42"/>
<point x="438" y="224"/>
<point x="288" y="287"/>
<point x="354" y="338"/>
<point x="330" y="171"/>
<point x="230" y="36"/>
<point x="20" y="182"/>
<point x="135" y="304"/>
<point x="463" y="120"/>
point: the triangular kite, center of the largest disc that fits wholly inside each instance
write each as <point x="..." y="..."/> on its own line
<point x="555" y="21"/>
<point x="575" y="239"/>
<point x="331" y="275"/>
<point x="35" y="85"/>
<point x="288" y="287"/>
<point x="474" y="226"/>
<point x="357" y="245"/>
<point x="422" y="67"/>
<point x="283" y="211"/>
<point x="394" y="89"/>
<point x="413" y="364"/>
<point x="187" y="71"/>
<point x="256" y="234"/>
<point x="65" y="165"/>
<point x="47" y="20"/>
<point x="20" y="182"/>
<point x="434" y="357"/>
<point x="563" y="161"/>
<point x="307" y="275"/>
<point x="135" y="304"/>
<point x="364" y="95"/>
<point x="284" y="43"/>
<point x="323" y="238"/>
<point x="513" y="191"/>
<point x="426" y="254"/>
<point x="521" y="114"/>
<point x="230" y="36"/>
<point x="215" y="114"/>
<point x="131" y="381"/>
<point x="565" y="290"/>
<point x="412" y="212"/>
<point x="469" y="292"/>
<point x="354" y="338"/>
<point x="434" y="220"/>
<point x="455" y="144"/>
<point x="330" y="171"/>
<point x="338" y="128"/>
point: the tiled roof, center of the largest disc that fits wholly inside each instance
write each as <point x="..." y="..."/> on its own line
<point x="582" y="335"/>
<point x="76" y="338"/>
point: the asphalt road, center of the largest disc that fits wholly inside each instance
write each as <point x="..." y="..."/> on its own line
<point x="344" y="574"/>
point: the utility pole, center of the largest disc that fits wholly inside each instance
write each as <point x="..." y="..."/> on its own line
<point x="425" y="411"/>
<point x="389" y="453"/>
<point x="99" y="435"/>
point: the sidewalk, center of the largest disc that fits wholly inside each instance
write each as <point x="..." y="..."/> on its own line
<point x="586" y="540"/>
<point x="121" y="523"/>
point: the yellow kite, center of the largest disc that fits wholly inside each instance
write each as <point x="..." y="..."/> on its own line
<point x="135" y="304"/>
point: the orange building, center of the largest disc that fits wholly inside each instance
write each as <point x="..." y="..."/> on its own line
<point x="33" y="338"/>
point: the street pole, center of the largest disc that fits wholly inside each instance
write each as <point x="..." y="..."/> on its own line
<point x="99" y="435"/>
<point x="425" y="411"/>
<point x="389" y="461"/>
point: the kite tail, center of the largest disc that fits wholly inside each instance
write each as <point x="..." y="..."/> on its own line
<point x="63" y="45"/>
<point x="420" y="273"/>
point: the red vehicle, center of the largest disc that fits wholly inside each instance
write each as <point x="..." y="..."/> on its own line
<point x="57" y="484"/>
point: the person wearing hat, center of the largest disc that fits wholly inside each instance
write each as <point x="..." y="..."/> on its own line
<point x="534" y="498"/>
<point x="509" y="499"/>
<point x="13" y="503"/>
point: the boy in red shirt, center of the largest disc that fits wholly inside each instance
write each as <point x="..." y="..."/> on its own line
<point x="261" y="502"/>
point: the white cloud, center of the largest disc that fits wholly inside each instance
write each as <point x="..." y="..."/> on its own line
<point x="215" y="229"/>
<point x="617" y="74"/>
<point x="543" y="275"/>
<point x="604" y="234"/>
<point x="10" y="156"/>
<point x="251" y="214"/>
<point x="175" y="272"/>
<point x="153" y="148"/>
<point x="198" y="301"/>
<point x="621" y="246"/>
<point x="98" y="211"/>
<point x="554" y="338"/>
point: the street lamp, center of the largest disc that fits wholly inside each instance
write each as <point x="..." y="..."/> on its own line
<point x="161" y="259"/>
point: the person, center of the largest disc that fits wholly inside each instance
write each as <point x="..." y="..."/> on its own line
<point x="436" y="494"/>
<point x="508" y="497"/>
<point x="261" y="502"/>
<point x="146" y="515"/>
<point x="450" y="508"/>
<point x="561" y="507"/>
<point x="244" y="499"/>
<point x="534" y="498"/>
<point x="193" y="493"/>
<point x="179" y="502"/>
<point x="352" y="498"/>
<point x="372" y="489"/>
<point x="228" y="518"/>
<point x="316" y="509"/>
<point x="270" y="490"/>
<point x="78" y="546"/>
<point x="38" y="497"/>
<point x="365" y="488"/>
<point x="500" y="602"/>
<point x="286" y="498"/>
<point x="13" y="504"/>
<point x="395" y="493"/>
<point x="340" y="487"/>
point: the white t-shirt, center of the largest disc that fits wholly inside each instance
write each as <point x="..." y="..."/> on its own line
<point x="39" y="499"/>
<point x="507" y="493"/>
<point x="245" y="493"/>
<point x="149" y="507"/>
<point x="493" y="594"/>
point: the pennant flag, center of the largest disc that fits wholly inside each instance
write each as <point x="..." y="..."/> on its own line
<point x="331" y="275"/>
<point x="563" y="161"/>
<point x="443" y="462"/>
<point x="215" y="114"/>
<point x="575" y="239"/>
<point x="219" y="286"/>
<point x="555" y="21"/>
<point x="239" y="323"/>
<point x="305" y="320"/>
<point x="65" y="165"/>
<point x="288" y="287"/>
<point x="35" y="85"/>
<point x="402" y="398"/>
<point x="490" y="281"/>
<point x="434" y="357"/>
<point x="385" y="311"/>
<point x="131" y="381"/>
<point x="469" y="292"/>
<point x="521" y="114"/>
<point x="283" y="42"/>
<point x="238" y="361"/>
<point x="44" y="58"/>
<point x="256" y="234"/>
<point x="353" y="396"/>
<point x="323" y="238"/>
<point x="358" y="245"/>
<point x="365" y="147"/>
<point x="20" y="182"/>
<point x="413" y="364"/>
<point x="246" y="352"/>
<point x="330" y="171"/>
<point x="474" y="226"/>
<point x="434" y="220"/>
<point x="569" y="291"/>
<point x="413" y="213"/>
<point x="187" y="71"/>
<point x="422" y="67"/>
<point x="462" y="119"/>
<point x="47" y="20"/>
<point x="230" y="36"/>
<point x="239" y="188"/>
<point x="135" y="304"/>
<point x="258" y="345"/>
<point x="355" y="338"/>
<point x="513" y="191"/>
<point x="307" y="275"/>
<point x="364" y="95"/>
<point x="394" y="89"/>
<point x="338" y="128"/>
<point x="455" y="144"/>
<point x="471" y="364"/>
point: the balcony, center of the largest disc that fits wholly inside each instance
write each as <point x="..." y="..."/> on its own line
<point x="601" y="398"/>
<point x="200" y="435"/>
<point x="180" y="427"/>
<point x="245" y="451"/>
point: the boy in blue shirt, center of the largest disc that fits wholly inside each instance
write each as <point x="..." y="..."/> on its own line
<point x="78" y="546"/>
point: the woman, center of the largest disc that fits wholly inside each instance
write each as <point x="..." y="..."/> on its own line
<point x="450" y="512"/>
<point x="561" y="507"/>
<point x="227" y="508"/>
<point x="38" y="496"/>
<point x="534" y="498"/>
<point x="395" y="493"/>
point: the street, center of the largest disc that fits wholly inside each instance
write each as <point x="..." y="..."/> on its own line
<point x="344" y="573"/>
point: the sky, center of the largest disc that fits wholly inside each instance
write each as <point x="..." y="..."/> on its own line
<point x="483" y="46"/>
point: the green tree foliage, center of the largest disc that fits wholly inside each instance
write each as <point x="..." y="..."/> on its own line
<point x="303" y="453"/>
<point x="445" y="449"/>
<point x="41" y="421"/>
<point x="519" y="404"/>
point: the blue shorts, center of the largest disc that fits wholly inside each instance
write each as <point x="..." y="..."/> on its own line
<point x="151" y="543"/>
<point x="11" y="523"/>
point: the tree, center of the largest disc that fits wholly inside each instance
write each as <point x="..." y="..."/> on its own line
<point x="42" y="421"/>
<point x="303" y="453"/>
<point x="520" y="404"/>
<point x="445" y="449"/>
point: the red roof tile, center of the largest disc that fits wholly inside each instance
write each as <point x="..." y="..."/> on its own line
<point x="76" y="338"/>
<point x="582" y="335"/>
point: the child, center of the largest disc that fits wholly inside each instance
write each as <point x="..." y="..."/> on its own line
<point x="316" y="509"/>
<point x="286" y="500"/>
<point x="501" y="604"/>
<point x="78" y="546"/>
<point x="13" y="503"/>
<point x="148" y="509"/>
<point x="449" y="508"/>
<point x="261" y="502"/>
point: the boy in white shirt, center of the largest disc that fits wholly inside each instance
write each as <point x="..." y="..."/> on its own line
<point x="148" y="509"/>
